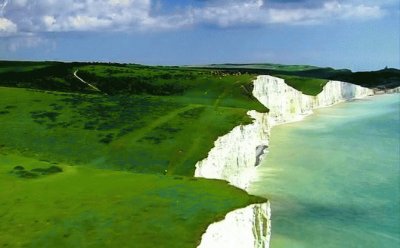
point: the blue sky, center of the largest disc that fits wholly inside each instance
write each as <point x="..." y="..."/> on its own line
<point x="355" y="34"/>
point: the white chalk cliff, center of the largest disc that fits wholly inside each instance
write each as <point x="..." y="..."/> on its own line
<point x="245" y="227"/>
<point x="235" y="155"/>
<point x="387" y="91"/>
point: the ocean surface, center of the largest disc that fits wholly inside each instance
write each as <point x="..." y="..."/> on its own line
<point x="333" y="179"/>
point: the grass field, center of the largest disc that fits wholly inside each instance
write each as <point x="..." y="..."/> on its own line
<point x="85" y="169"/>
<point x="86" y="207"/>
<point x="125" y="132"/>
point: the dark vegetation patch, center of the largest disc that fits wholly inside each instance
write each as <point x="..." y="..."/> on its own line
<point x="120" y="114"/>
<point x="124" y="113"/>
<point x="45" y="115"/>
<point x="18" y="168"/>
<point x="134" y="84"/>
<point x="107" y="139"/>
<point x="53" y="76"/>
<point x="137" y="79"/>
<point x="111" y="116"/>
<point x="169" y="130"/>
<point x="166" y="131"/>
<point x="21" y="172"/>
<point x="4" y="112"/>
<point x="248" y="90"/>
<point x="56" y="107"/>
<point x="155" y="140"/>
<point x="26" y="174"/>
<point x="386" y="78"/>
<point x="193" y="113"/>
<point x="125" y="130"/>
<point x="47" y="171"/>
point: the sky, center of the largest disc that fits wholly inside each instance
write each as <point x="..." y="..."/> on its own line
<point x="355" y="34"/>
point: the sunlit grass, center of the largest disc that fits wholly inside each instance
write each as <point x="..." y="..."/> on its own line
<point x="85" y="207"/>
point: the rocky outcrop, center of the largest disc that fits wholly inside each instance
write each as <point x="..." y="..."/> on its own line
<point x="236" y="155"/>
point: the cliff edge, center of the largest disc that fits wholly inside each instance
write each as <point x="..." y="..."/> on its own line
<point x="236" y="155"/>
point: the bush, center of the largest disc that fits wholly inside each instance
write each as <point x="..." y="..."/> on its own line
<point x="36" y="172"/>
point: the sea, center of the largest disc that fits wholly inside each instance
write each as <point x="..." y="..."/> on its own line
<point x="333" y="179"/>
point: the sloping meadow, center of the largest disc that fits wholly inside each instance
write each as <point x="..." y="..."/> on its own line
<point x="82" y="168"/>
<point x="132" y="125"/>
<point x="76" y="206"/>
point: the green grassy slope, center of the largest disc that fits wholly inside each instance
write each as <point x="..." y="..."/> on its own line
<point x="195" y="86"/>
<point x="133" y="148"/>
<point x="309" y="86"/>
<point x="137" y="133"/>
<point x="147" y="119"/>
<point x="84" y="207"/>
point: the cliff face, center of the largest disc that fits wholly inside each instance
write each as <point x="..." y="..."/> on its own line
<point x="236" y="155"/>
<point x="335" y="92"/>
<point x="245" y="227"/>
<point x="288" y="104"/>
<point x="387" y="91"/>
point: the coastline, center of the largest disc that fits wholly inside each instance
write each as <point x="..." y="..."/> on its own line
<point x="308" y="163"/>
<point x="236" y="155"/>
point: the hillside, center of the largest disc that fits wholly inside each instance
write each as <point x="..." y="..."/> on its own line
<point x="112" y="163"/>
<point x="85" y="168"/>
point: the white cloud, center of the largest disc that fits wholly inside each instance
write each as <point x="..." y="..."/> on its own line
<point x="362" y="12"/>
<point x="7" y="27"/>
<point x="78" y="15"/>
<point x="121" y="15"/>
<point x="330" y="11"/>
<point x="231" y="13"/>
<point x="259" y="13"/>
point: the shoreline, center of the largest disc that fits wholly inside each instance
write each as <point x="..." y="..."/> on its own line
<point x="241" y="227"/>
<point x="292" y="178"/>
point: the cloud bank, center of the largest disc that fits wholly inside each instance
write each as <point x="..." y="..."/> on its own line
<point x="27" y="17"/>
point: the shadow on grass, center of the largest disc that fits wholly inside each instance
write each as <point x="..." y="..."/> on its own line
<point x="21" y="172"/>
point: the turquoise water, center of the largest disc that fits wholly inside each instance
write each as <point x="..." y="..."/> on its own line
<point x="334" y="178"/>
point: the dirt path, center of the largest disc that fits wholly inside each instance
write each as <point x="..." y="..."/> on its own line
<point x="88" y="84"/>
